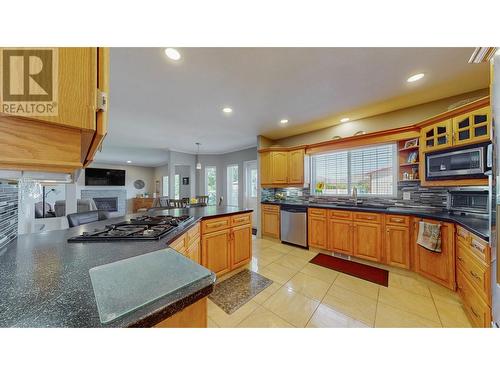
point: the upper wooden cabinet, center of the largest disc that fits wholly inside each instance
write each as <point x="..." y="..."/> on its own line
<point x="67" y="139"/>
<point x="282" y="167"/>
<point x="296" y="166"/>
<point x="279" y="167"/>
<point x="470" y="127"/>
<point x="437" y="136"/>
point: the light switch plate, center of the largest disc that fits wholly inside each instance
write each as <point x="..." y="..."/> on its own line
<point x="406" y="195"/>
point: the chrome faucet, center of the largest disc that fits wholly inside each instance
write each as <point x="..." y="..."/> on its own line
<point x="355" y="195"/>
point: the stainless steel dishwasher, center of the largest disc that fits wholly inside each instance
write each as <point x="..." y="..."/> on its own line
<point x="294" y="225"/>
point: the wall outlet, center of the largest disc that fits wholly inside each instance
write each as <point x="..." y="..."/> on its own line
<point x="406" y="195"/>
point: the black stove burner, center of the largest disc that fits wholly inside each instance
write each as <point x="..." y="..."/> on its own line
<point x="138" y="228"/>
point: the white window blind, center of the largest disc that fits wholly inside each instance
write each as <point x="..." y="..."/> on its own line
<point x="372" y="170"/>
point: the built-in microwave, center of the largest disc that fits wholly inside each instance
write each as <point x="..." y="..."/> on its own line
<point x="464" y="162"/>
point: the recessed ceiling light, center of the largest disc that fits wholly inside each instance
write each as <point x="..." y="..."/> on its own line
<point x="415" y="77"/>
<point x="227" y="110"/>
<point x="172" y="53"/>
<point x="284" y="121"/>
<point x="129" y="161"/>
<point x="345" y="119"/>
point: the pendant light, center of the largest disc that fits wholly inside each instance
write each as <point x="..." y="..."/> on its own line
<point x="198" y="164"/>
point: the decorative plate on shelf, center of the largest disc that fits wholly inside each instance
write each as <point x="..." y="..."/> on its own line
<point x="139" y="184"/>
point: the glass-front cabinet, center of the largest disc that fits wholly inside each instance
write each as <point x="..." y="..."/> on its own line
<point x="472" y="127"/>
<point x="437" y="136"/>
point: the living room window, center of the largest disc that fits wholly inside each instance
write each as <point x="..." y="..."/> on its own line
<point x="232" y="185"/>
<point x="372" y="170"/>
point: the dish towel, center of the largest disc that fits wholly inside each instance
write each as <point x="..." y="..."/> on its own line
<point x="429" y="236"/>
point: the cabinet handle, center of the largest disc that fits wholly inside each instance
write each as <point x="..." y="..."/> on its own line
<point x="475" y="275"/>
<point x="397" y="220"/>
<point x="477" y="247"/>
<point x="475" y="313"/>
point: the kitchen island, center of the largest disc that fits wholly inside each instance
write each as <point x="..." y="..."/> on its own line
<point x="45" y="280"/>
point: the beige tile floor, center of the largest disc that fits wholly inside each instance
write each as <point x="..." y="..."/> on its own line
<point x="307" y="295"/>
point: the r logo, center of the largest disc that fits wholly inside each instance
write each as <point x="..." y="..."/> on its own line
<point x="29" y="81"/>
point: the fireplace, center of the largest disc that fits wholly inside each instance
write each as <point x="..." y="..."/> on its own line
<point x="109" y="204"/>
<point x="106" y="195"/>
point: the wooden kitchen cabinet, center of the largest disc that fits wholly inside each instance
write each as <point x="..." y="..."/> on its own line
<point x="279" y="167"/>
<point x="397" y="246"/>
<point x="282" y="167"/>
<point x="68" y="140"/>
<point x="296" y="166"/>
<point x="439" y="267"/>
<point x="228" y="247"/>
<point x="472" y="127"/>
<point x="317" y="228"/>
<point x="216" y="251"/>
<point x="436" y="136"/>
<point x="241" y="245"/>
<point x="188" y="244"/>
<point x="367" y="242"/>
<point x="340" y="236"/>
<point x="270" y="220"/>
<point x="265" y="168"/>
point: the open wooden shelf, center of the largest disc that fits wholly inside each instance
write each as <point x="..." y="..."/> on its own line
<point x="409" y="164"/>
<point x="409" y="148"/>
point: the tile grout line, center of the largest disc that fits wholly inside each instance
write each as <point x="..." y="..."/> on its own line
<point x="437" y="310"/>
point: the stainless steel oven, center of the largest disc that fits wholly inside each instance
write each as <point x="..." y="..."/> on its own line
<point x="463" y="162"/>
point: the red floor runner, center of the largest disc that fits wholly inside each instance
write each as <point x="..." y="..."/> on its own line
<point x="363" y="271"/>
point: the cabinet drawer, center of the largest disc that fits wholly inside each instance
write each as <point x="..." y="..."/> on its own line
<point x="477" y="310"/>
<point x="367" y="216"/>
<point x="399" y="220"/>
<point x="478" y="275"/>
<point x="213" y="225"/>
<point x="270" y="207"/>
<point x="463" y="235"/>
<point x="318" y="212"/>
<point x="241" y="219"/>
<point x="192" y="234"/>
<point x="339" y="214"/>
<point x="179" y="244"/>
<point x="480" y="249"/>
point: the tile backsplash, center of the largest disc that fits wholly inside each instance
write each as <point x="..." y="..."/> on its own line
<point x="8" y="213"/>
<point x="419" y="196"/>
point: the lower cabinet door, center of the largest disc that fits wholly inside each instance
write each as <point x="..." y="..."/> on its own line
<point x="317" y="232"/>
<point x="241" y="245"/>
<point x="367" y="241"/>
<point x="439" y="267"/>
<point x="271" y="224"/>
<point x="216" y="252"/>
<point x="397" y="246"/>
<point x="194" y="251"/>
<point x="340" y="236"/>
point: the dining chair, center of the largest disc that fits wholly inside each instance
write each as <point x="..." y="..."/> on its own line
<point x="202" y="199"/>
<point x="178" y="203"/>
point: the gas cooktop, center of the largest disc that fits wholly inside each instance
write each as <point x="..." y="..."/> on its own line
<point x="136" y="229"/>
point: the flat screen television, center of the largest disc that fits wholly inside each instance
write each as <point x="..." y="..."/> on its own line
<point x="104" y="177"/>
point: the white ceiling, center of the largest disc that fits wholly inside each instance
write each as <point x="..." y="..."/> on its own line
<point x="158" y="104"/>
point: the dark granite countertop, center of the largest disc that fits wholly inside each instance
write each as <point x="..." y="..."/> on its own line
<point x="45" y="280"/>
<point x="478" y="226"/>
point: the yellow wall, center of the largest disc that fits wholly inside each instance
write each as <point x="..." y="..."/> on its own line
<point x="389" y="120"/>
